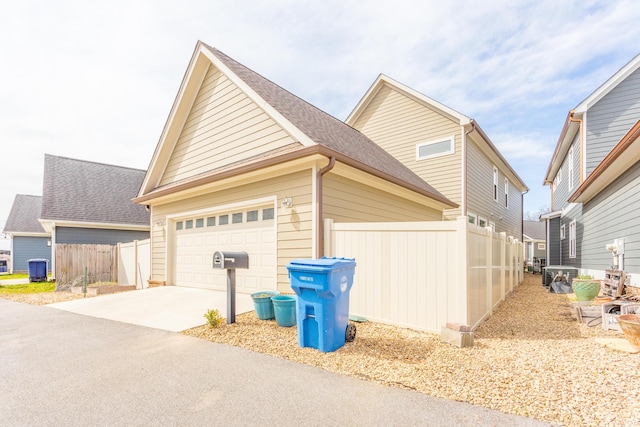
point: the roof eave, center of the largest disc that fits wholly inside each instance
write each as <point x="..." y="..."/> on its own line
<point x="567" y="134"/>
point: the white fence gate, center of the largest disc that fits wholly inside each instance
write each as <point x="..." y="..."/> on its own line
<point x="422" y="275"/>
<point x="134" y="263"/>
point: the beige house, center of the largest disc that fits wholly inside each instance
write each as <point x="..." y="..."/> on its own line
<point x="244" y="165"/>
<point x="447" y="149"/>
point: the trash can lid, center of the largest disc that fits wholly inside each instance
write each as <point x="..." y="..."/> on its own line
<point x="38" y="260"/>
<point x="324" y="262"/>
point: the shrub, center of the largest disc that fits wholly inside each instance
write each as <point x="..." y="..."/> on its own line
<point x="213" y="318"/>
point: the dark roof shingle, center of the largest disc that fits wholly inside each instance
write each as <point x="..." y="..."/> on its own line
<point x="82" y="191"/>
<point x="535" y="229"/>
<point x="325" y="129"/>
<point x="24" y="214"/>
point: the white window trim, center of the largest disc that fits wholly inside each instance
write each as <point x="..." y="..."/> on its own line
<point x="572" y="239"/>
<point x="506" y="193"/>
<point x="563" y="232"/>
<point x="495" y="184"/>
<point x="449" y="139"/>
<point x="474" y="216"/>
<point x="542" y="246"/>
<point x="570" y="168"/>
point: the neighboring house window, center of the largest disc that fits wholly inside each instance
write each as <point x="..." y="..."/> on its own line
<point x="473" y="218"/>
<point x="436" y="148"/>
<point x="570" y="168"/>
<point x="542" y="246"/>
<point x="495" y="184"/>
<point x="572" y="239"/>
<point x="558" y="179"/>
<point x="482" y="222"/>
<point x="563" y="233"/>
<point x="506" y="193"/>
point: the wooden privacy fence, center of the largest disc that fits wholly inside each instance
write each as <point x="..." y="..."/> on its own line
<point x="98" y="262"/>
<point x="134" y="263"/>
<point x="422" y="275"/>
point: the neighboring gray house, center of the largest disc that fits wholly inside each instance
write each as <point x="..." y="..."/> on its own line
<point x="90" y="203"/>
<point x="28" y="239"/>
<point x="534" y="237"/>
<point x="594" y="177"/>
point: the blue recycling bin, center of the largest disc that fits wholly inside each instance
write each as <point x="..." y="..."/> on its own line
<point x="37" y="270"/>
<point x="3" y="266"/>
<point x="322" y="286"/>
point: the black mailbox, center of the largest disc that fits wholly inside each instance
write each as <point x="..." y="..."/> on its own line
<point x="230" y="260"/>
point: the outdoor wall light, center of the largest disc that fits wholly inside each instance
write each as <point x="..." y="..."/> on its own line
<point x="286" y="203"/>
<point x="159" y="223"/>
<point x="49" y="242"/>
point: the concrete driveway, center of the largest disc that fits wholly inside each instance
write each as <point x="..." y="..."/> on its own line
<point x="63" y="369"/>
<point x="170" y="308"/>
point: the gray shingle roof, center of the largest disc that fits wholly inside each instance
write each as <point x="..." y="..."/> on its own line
<point x="325" y="129"/>
<point x="24" y="214"/>
<point x="78" y="190"/>
<point x="534" y="229"/>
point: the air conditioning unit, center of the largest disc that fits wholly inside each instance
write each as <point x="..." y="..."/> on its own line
<point x="550" y="272"/>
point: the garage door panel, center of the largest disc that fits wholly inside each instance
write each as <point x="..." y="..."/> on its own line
<point x="194" y="250"/>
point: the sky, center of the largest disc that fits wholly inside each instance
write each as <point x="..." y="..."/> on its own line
<point x="96" y="80"/>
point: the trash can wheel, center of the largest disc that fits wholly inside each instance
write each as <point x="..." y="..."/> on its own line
<point x="351" y="332"/>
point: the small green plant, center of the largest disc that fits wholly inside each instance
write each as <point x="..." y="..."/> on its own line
<point x="213" y="318"/>
<point x="585" y="277"/>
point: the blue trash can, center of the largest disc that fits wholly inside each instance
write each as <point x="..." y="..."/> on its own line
<point x="37" y="270"/>
<point x="322" y="286"/>
<point x="3" y="266"/>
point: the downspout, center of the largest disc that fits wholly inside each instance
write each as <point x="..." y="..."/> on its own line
<point x="319" y="214"/>
<point x="571" y="119"/>
<point x="464" y="166"/>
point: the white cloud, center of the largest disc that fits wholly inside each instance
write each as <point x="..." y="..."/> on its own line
<point x="96" y="81"/>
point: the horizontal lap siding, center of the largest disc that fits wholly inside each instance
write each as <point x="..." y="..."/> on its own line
<point x="97" y="236"/>
<point x="223" y="127"/>
<point x="29" y="247"/>
<point x="398" y="123"/>
<point x="350" y="201"/>
<point x="294" y="227"/>
<point x="480" y="194"/>
<point x="611" y="215"/>
<point x="610" y="118"/>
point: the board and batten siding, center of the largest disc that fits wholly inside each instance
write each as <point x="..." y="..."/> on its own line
<point x="612" y="214"/>
<point x="398" y="124"/>
<point x="97" y="236"/>
<point x="29" y="247"/>
<point x="224" y="126"/>
<point x="610" y="118"/>
<point x="554" y="243"/>
<point x="349" y="201"/>
<point x="480" y="194"/>
<point x="294" y="226"/>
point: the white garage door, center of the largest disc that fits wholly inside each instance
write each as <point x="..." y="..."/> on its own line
<point x="250" y="230"/>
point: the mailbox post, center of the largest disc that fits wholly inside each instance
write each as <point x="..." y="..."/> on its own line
<point x="231" y="261"/>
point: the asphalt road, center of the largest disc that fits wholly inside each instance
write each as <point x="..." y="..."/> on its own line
<point x="59" y="368"/>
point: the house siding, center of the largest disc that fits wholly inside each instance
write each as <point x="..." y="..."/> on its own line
<point x="610" y="118"/>
<point x="554" y="243"/>
<point x="97" y="236"/>
<point x="294" y="227"/>
<point x="562" y="191"/>
<point x="224" y="126"/>
<point x="398" y="123"/>
<point x="349" y="201"/>
<point x="29" y="247"/>
<point x="480" y="194"/>
<point x="621" y="199"/>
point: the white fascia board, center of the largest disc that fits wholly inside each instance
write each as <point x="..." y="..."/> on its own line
<point x="412" y="93"/>
<point x="551" y="215"/>
<point x="609" y="85"/>
<point x="288" y="127"/>
<point x="26" y="234"/>
<point x="101" y="225"/>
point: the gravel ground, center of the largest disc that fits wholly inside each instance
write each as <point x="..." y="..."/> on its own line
<point x="531" y="358"/>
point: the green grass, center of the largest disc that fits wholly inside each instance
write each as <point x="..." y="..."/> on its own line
<point x="13" y="276"/>
<point x="29" y="288"/>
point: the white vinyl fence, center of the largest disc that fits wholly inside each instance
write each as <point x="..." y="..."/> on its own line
<point x="422" y="275"/>
<point x="134" y="266"/>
